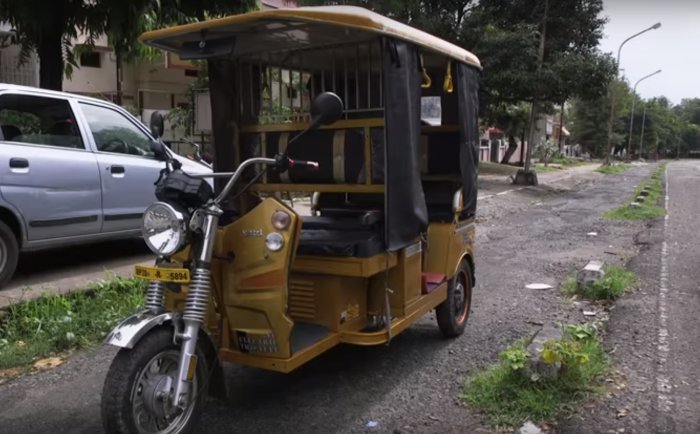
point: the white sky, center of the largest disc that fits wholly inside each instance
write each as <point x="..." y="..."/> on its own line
<point x="674" y="48"/>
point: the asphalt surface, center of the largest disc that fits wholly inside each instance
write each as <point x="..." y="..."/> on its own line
<point x="524" y="236"/>
<point x="654" y="333"/>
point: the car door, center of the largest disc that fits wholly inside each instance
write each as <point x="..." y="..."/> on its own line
<point x="128" y="169"/>
<point x="46" y="172"/>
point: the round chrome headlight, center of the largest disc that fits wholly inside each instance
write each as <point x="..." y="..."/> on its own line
<point x="274" y="241"/>
<point x="164" y="228"/>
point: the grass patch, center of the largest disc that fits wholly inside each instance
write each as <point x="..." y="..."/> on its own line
<point x="541" y="168"/>
<point x="54" y="323"/>
<point x="489" y="168"/>
<point x="509" y="395"/>
<point x="617" y="282"/>
<point x="614" y="169"/>
<point x="647" y="209"/>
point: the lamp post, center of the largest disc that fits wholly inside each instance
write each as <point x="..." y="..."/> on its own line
<point x="612" y="94"/>
<point x="634" y="99"/>
<point x="641" y="136"/>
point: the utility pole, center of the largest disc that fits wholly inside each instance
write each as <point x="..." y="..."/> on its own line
<point x="641" y="138"/>
<point x="608" y="148"/>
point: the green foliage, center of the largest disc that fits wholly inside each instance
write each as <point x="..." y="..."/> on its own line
<point x="617" y="281"/>
<point x="49" y="27"/>
<point x="613" y="169"/>
<point x="510" y="396"/>
<point x="56" y="323"/>
<point x="545" y="151"/>
<point x="647" y="209"/>
<point x="505" y="36"/>
<point x="514" y="357"/>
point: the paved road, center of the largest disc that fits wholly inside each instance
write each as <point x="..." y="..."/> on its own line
<point x="678" y="350"/>
<point x="412" y="385"/>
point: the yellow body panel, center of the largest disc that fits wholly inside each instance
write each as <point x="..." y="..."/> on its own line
<point x="317" y="19"/>
<point x="254" y="284"/>
<point x="448" y="244"/>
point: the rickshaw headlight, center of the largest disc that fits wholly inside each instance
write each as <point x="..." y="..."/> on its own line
<point x="281" y="220"/>
<point x="164" y="228"/>
<point x="274" y="241"/>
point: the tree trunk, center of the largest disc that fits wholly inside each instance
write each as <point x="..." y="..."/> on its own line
<point x="561" y="129"/>
<point x="50" y="53"/>
<point x="512" y="147"/>
<point x="120" y="71"/>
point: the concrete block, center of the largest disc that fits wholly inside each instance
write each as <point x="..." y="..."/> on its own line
<point x="525" y="178"/>
<point x="641" y="198"/>
<point x="593" y="271"/>
<point x="644" y="193"/>
<point x="535" y="365"/>
<point x="635" y="204"/>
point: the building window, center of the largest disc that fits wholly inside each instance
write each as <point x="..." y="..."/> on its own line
<point x="91" y="59"/>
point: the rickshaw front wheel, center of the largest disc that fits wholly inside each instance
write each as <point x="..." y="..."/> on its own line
<point x="453" y="313"/>
<point x="131" y="399"/>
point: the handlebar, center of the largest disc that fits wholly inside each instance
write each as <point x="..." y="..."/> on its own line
<point x="281" y="161"/>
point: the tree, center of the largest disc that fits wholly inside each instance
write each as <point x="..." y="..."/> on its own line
<point x="588" y="120"/>
<point x="50" y="27"/>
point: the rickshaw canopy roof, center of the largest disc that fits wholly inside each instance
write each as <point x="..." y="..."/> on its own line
<point x="294" y="28"/>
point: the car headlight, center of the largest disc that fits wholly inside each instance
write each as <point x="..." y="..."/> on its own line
<point x="164" y="228"/>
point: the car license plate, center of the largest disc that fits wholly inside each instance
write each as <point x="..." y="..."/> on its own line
<point x="176" y="275"/>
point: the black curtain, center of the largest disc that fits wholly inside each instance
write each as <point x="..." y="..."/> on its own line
<point x="406" y="215"/>
<point x="468" y="105"/>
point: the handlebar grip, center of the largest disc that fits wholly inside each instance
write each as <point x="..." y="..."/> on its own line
<point x="311" y="164"/>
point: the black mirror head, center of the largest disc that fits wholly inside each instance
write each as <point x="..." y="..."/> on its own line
<point x="157" y="124"/>
<point x="158" y="149"/>
<point x="326" y="108"/>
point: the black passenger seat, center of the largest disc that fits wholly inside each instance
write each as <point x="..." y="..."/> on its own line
<point x="349" y="231"/>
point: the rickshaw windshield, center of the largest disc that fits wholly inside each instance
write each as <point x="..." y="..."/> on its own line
<point x="408" y="140"/>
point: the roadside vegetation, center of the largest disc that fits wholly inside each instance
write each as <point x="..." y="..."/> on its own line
<point x="617" y="282"/>
<point x="613" y="169"/>
<point x="647" y="209"/>
<point x="53" y="324"/>
<point x="509" y="394"/>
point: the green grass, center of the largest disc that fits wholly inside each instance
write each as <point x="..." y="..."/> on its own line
<point x="55" y="323"/>
<point x="614" y="169"/>
<point x="647" y="209"/>
<point x="617" y="281"/>
<point x="541" y="168"/>
<point x="488" y="168"/>
<point x="509" y="397"/>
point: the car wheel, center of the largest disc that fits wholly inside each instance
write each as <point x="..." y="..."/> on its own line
<point x="9" y="253"/>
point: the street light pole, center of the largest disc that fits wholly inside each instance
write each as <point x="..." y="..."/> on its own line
<point x="641" y="137"/>
<point x="634" y="99"/>
<point x="612" y="94"/>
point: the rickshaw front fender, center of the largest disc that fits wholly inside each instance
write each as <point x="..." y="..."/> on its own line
<point x="135" y="327"/>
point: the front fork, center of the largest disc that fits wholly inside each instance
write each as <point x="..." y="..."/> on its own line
<point x="195" y="312"/>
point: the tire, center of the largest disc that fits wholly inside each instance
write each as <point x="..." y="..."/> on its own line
<point x="453" y="313"/>
<point x="9" y="253"/>
<point x="118" y="415"/>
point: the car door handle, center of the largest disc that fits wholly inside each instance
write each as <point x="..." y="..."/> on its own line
<point x="117" y="170"/>
<point x="19" y="163"/>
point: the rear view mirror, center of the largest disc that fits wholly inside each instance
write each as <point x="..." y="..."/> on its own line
<point x="158" y="149"/>
<point x="157" y="124"/>
<point x="326" y="108"/>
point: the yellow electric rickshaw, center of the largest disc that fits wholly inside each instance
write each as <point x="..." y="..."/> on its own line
<point x="372" y="119"/>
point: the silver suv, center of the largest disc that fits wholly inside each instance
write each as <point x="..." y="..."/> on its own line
<point x="72" y="170"/>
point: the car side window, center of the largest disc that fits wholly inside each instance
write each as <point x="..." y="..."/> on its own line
<point x="114" y="132"/>
<point x="39" y="120"/>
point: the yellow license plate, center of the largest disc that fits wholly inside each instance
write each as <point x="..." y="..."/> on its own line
<point x="176" y="275"/>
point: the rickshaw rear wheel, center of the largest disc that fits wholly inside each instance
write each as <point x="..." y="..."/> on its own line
<point x="130" y="403"/>
<point x="453" y="313"/>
